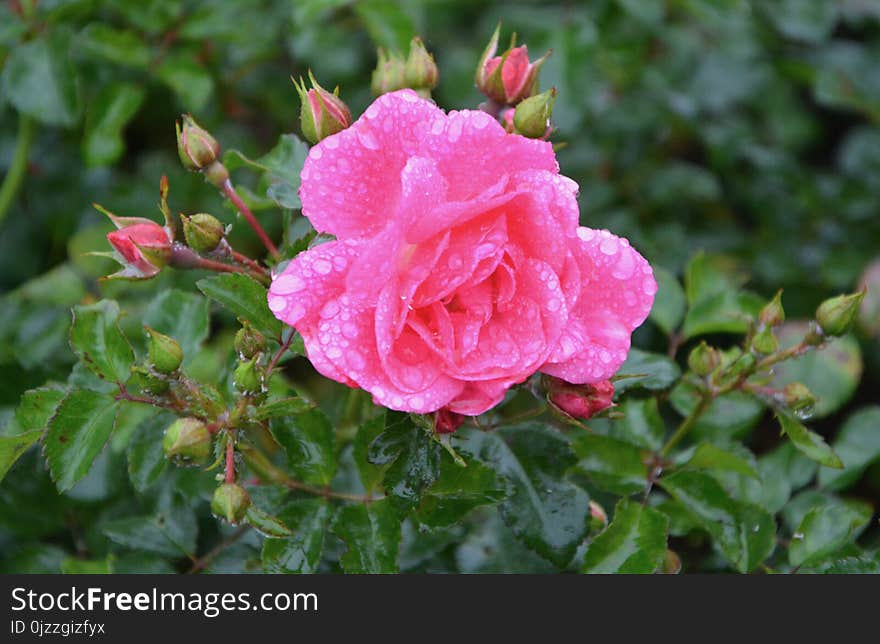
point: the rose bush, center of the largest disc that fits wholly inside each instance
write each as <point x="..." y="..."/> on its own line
<point x="458" y="268"/>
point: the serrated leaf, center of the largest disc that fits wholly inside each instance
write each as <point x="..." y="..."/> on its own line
<point x="708" y="456"/>
<point x="669" y="302"/>
<point x="301" y="551"/>
<point x="309" y="441"/>
<point x="171" y="531"/>
<point x="611" y="464"/>
<point x="371" y="475"/>
<point x="146" y="459"/>
<point x="39" y="79"/>
<point x="99" y="343"/>
<point x="745" y="534"/>
<point x="190" y="81"/>
<point x="858" y="445"/>
<point x="36" y="407"/>
<point x="634" y="542"/>
<point x="412" y="456"/>
<point x="548" y="513"/>
<point x="12" y="447"/>
<point x="245" y="297"/>
<point x="644" y="370"/>
<point x="808" y="442"/>
<point x="281" y="168"/>
<point x="108" y="114"/>
<point x="459" y="490"/>
<point x="729" y="416"/>
<point x="641" y="424"/>
<point x="824" y="530"/>
<point x="266" y="524"/>
<point x="281" y="408"/>
<point x="181" y="315"/>
<point x="371" y="533"/>
<point x="77" y="433"/>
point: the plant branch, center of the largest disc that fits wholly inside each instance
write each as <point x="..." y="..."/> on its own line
<point x="688" y="423"/>
<point x="327" y="493"/>
<point x="18" y="168"/>
<point x="202" y="562"/>
<point x="281" y="350"/>
<point x="232" y="195"/>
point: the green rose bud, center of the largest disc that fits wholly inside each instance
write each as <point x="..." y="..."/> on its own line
<point x="322" y="114"/>
<point x="532" y="115"/>
<point x="390" y="73"/>
<point x="230" y="502"/>
<point x="203" y="232"/>
<point x="837" y="315"/>
<point x="249" y="342"/>
<point x="798" y="397"/>
<point x="164" y="352"/>
<point x="246" y="377"/>
<point x="187" y="442"/>
<point x="765" y="341"/>
<point x="420" y="70"/>
<point x="704" y="359"/>
<point x="773" y="314"/>
<point x="195" y="146"/>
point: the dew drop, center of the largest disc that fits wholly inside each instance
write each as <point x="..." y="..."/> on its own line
<point x="608" y="246"/>
<point x="625" y="266"/>
<point x="316" y="152"/>
<point x="322" y="266"/>
<point x="586" y="234"/>
<point x="334" y="352"/>
<point x="455" y="130"/>
<point x="287" y="284"/>
<point x="367" y="139"/>
<point x="331" y="142"/>
<point x="330" y="309"/>
<point x="277" y="304"/>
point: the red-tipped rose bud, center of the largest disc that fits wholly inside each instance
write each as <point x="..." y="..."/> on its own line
<point x="532" y="116"/>
<point x="446" y="422"/>
<point x="142" y="246"/>
<point x="322" y="113"/>
<point x="580" y="401"/>
<point x="195" y="146"/>
<point x="420" y="71"/>
<point x="509" y="78"/>
<point x="390" y="73"/>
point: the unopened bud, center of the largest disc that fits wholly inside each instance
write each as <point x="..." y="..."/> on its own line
<point x="773" y="314"/>
<point x="322" y="114"/>
<point x="598" y="513"/>
<point x="420" y="71"/>
<point x="230" y="502"/>
<point x="532" y="116"/>
<point x="837" y="315"/>
<point x="249" y="342"/>
<point x="187" y="442"/>
<point x="764" y="341"/>
<point x="798" y="397"/>
<point x="580" y="401"/>
<point x="195" y="146"/>
<point x="390" y="73"/>
<point x="165" y="352"/>
<point x="869" y="311"/>
<point x="509" y="78"/>
<point x="203" y="232"/>
<point x="148" y="381"/>
<point x="246" y="377"/>
<point x="704" y="359"/>
<point x="446" y="421"/>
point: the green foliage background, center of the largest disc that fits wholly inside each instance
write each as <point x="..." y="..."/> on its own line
<point x="749" y="130"/>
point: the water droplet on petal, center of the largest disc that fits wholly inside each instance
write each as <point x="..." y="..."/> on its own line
<point x="322" y="266"/>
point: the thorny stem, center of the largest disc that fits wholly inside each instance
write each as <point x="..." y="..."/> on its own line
<point x="247" y="261"/>
<point x="281" y="350"/>
<point x="230" y="458"/>
<point x="240" y="205"/>
<point x="124" y="395"/>
<point x="18" y="168"/>
<point x="220" y="267"/>
<point x="202" y="562"/>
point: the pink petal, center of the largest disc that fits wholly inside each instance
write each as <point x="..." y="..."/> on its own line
<point x="617" y="292"/>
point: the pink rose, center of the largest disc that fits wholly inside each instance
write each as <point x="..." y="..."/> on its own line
<point x="458" y="268"/>
<point x="144" y="246"/>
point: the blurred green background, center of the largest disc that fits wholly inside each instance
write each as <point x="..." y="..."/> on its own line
<point x="748" y="129"/>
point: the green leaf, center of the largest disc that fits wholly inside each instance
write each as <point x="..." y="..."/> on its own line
<point x="858" y="445"/>
<point x="716" y="303"/>
<point x="309" y="441"/>
<point x="171" y="531"/>
<point x="459" y="490"/>
<point x="36" y="408"/>
<point x="412" y="456"/>
<point x="371" y="533"/>
<point x="371" y="475"/>
<point x="189" y="80"/>
<point x="245" y="297"/>
<point x="491" y="547"/>
<point x="182" y="316"/>
<point x="12" y="447"/>
<point x="146" y="460"/>
<point x="824" y="530"/>
<point x="77" y="433"/>
<point x="281" y="169"/>
<point x="644" y="370"/>
<point x="634" y="542"/>
<point x="301" y="551"/>
<point x="97" y="341"/>
<point x="266" y="524"/>
<point x="808" y="442"/>
<point x="832" y="373"/>
<point x="548" y="513"/>
<point x="811" y="22"/>
<point x="281" y="408"/>
<point x="729" y="416"/>
<point x="118" y="46"/>
<point x="641" y="424"/>
<point x="39" y="79"/>
<point x="72" y="566"/>
<point x="708" y="456"/>
<point x="113" y="107"/>
<point x="611" y="464"/>
<point x="744" y="533"/>
<point x="669" y="302"/>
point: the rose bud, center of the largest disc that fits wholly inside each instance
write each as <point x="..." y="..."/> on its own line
<point x="506" y="118"/>
<point x="195" y="146"/>
<point x="773" y="314"/>
<point x="187" y="441"/>
<point x="149" y="382"/>
<point x="420" y="71"/>
<point x="165" y="352"/>
<point x="249" y="342"/>
<point x="246" y="378"/>
<point x="532" y="116"/>
<point x="798" y="397"/>
<point x="580" y="401"/>
<point x="390" y="73"/>
<point x="836" y="316"/>
<point x="202" y="232"/>
<point x="704" y="359"/>
<point x="230" y="502"/>
<point x="509" y="78"/>
<point x="446" y="421"/>
<point x="142" y="246"/>
<point x="322" y="113"/>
